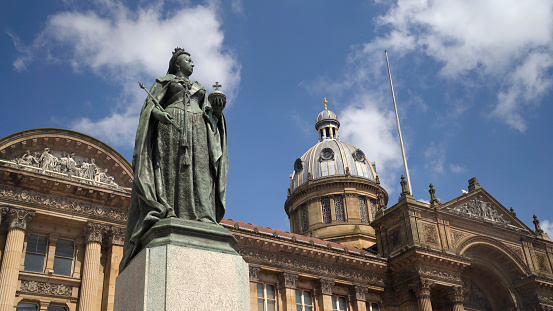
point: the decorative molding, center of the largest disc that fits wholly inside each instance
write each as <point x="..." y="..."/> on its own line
<point x="254" y="273"/>
<point x="457" y="294"/>
<point x="422" y="288"/>
<point x="18" y="218"/>
<point x="298" y="165"/>
<point x="46" y="288"/>
<point x="287" y="279"/>
<point x="326" y="154"/>
<point x="312" y="267"/>
<point x="542" y="262"/>
<point x="457" y="236"/>
<point x="53" y="237"/>
<point x="358" y="155"/>
<point x="63" y="203"/>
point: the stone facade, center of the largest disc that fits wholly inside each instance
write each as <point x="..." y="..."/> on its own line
<point x="469" y="253"/>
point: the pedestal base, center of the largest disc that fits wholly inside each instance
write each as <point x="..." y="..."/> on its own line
<point x="186" y="265"/>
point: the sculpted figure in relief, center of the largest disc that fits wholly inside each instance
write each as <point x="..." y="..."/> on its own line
<point x="180" y="156"/>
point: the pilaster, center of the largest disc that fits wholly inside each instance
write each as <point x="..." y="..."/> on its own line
<point x="114" y="256"/>
<point x="254" y="278"/>
<point x="357" y="297"/>
<point x="9" y="272"/>
<point x="422" y="291"/>
<point x="457" y="297"/>
<point x="89" y="283"/>
<point x="287" y="285"/>
<point x="323" y="294"/>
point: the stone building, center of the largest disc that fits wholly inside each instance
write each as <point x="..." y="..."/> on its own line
<point x="64" y="197"/>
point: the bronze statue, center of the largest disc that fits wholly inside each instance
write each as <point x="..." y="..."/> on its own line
<point x="180" y="158"/>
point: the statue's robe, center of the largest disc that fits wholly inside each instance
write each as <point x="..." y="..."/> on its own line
<point x="176" y="173"/>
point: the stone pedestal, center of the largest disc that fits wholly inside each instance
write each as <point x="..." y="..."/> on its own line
<point x="186" y="265"/>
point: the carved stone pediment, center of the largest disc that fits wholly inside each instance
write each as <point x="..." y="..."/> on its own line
<point x="483" y="208"/>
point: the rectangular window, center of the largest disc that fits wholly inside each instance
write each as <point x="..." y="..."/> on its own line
<point x="372" y="306"/>
<point x="305" y="218"/>
<point x="297" y="221"/>
<point x="26" y="307"/>
<point x="373" y="208"/>
<point x="339" y="303"/>
<point x="339" y="208"/>
<point x="63" y="260"/>
<point x="266" y="297"/>
<point x="35" y="255"/>
<point x="363" y="210"/>
<point x="327" y="216"/>
<point x="304" y="300"/>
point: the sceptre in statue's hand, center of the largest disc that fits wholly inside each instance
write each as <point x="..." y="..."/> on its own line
<point x="158" y="106"/>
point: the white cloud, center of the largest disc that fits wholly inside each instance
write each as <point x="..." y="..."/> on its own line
<point x="372" y="129"/>
<point x="126" y="46"/>
<point x="435" y="159"/>
<point x="547" y="226"/>
<point x="507" y="43"/>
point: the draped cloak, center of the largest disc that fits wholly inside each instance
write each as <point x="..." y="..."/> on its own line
<point x="177" y="173"/>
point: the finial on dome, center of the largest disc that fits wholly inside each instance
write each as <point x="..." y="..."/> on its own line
<point x="325" y="102"/>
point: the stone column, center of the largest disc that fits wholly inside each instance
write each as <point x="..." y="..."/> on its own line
<point x="91" y="269"/>
<point x="358" y="298"/>
<point x="9" y="272"/>
<point x="115" y="254"/>
<point x="422" y="290"/>
<point x="52" y="241"/>
<point x="287" y="284"/>
<point x="323" y="294"/>
<point x="457" y="297"/>
<point x="254" y="278"/>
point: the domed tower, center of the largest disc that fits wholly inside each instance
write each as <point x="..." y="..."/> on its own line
<point x="334" y="189"/>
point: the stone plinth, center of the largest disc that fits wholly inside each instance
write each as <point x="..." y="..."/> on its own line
<point x="186" y="265"/>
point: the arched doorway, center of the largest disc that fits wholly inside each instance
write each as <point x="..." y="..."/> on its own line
<point x="488" y="282"/>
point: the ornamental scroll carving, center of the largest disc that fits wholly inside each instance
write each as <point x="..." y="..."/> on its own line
<point x="288" y="280"/>
<point x="478" y="208"/>
<point x="430" y="234"/>
<point x="63" y="203"/>
<point x="45" y="288"/>
<point x="358" y="292"/>
<point x="94" y="232"/>
<point x="325" y="287"/>
<point x="313" y="267"/>
<point x="542" y="261"/>
<point x="66" y="165"/>
<point x="438" y="273"/>
<point x="117" y="235"/>
<point x="254" y="273"/>
<point x="18" y="218"/>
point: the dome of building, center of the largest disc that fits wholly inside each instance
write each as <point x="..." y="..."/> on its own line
<point x="330" y="157"/>
<point x="334" y="190"/>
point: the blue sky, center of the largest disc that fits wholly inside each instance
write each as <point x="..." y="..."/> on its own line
<point x="472" y="79"/>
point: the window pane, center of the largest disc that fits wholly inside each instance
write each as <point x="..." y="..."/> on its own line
<point x="41" y="245"/>
<point x="334" y="303"/>
<point x="260" y="290"/>
<point x="271" y="305"/>
<point x="62" y="266"/>
<point x="298" y="308"/>
<point x="342" y="303"/>
<point x="298" y="296"/>
<point x="270" y="291"/>
<point x="31" y="243"/>
<point x="260" y="306"/>
<point x="308" y="308"/>
<point x="26" y="307"/>
<point x="307" y="298"/>
<point x="34" y="262"/>
<point x="375" y="306"/>
<point x="55" y="308"/>
<point x="64" y="248"/>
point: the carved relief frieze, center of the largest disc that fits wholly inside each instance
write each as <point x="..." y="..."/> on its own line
<point x="313" y="267"/>
<point x="64" y="165"/>
<point x="63" y="203"/>
<point x="46" y="288"/>
<point x="517" y="250"/>
<point x="542" y="262"/>
<point x="430" y="234"/>
<point x="457" y="236"/>
<point x="480" y="209"/>
<point x="436" y="273"/>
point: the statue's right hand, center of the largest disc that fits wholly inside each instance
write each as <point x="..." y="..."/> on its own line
<point x="162" y="116"/>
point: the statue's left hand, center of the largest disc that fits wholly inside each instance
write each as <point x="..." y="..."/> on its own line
<point x="218" y="104"/>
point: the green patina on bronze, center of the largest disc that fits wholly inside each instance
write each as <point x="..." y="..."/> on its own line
<point x="180" y="158"/>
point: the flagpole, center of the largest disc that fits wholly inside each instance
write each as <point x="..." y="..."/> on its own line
<point x="398" y="127"/>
